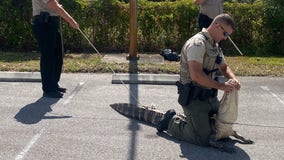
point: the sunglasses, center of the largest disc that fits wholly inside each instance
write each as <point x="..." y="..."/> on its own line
<point x="226" y="34"/>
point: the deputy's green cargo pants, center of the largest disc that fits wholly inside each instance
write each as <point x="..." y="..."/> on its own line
<point x="195" y="128"/>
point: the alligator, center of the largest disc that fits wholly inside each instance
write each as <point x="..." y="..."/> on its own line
<point x="148" y="114"/>
<point x="151" y="116"/>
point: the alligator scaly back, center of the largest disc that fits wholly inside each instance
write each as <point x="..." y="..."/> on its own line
<point x="148" y="114"/>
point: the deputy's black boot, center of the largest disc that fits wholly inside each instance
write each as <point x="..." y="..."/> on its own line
<point x="54" y="94"/>
<point x="61" y="89"/>
<point x="165" y="119"/>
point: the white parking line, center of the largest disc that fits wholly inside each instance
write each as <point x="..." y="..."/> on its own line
<point x="29" y="145"/>
<point x="273" y="94"/>
<point x="78" y="87"/>
<point x="22" y="154"/>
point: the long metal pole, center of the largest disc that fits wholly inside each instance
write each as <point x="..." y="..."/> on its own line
<point x="130" y="92"/>
<point x="235" y="45"/>
<point x="133" y="31"/>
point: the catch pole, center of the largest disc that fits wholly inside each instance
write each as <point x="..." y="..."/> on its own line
<point x="235" y="45"/>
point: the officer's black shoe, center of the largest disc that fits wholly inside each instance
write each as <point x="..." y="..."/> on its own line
<point x="61" y="89"/>
<point x="165" y="119"/>
<point x="54" y="94"/>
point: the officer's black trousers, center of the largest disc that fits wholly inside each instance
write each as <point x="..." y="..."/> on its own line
<point x="48" y="37"/>
<point x="204" y="21"/>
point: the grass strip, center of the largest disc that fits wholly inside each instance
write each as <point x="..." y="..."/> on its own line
<point x="92" y="63"/>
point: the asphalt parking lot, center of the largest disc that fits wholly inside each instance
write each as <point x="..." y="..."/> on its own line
<point x="82" y="125"/>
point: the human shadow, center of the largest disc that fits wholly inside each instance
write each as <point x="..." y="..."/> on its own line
<point x="195" y="152"/>
<point x="35" y="112"/>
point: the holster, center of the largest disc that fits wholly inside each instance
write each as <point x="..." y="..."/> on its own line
<point x="185" y="93"/>
<point x="188" y="92"/>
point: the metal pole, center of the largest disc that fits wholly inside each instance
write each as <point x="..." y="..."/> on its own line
<point x="235" y="45"/>
<point x="133" y="31"/>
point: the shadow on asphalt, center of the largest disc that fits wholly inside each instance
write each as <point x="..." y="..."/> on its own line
<point x="195" y="152"/>
<point x="190" y="151"/>
<point x="35" y="112"/>
<point x="133" y="99"/>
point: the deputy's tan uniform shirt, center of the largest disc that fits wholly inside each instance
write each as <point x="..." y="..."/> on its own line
<point x="212" y="8"/>
<point x="41" y="6"/>
<point x="200" y="48"/>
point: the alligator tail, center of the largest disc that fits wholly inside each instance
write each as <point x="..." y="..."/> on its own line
<point x="142" y="113"/>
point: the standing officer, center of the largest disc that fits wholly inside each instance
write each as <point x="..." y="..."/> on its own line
<point x="209" y="9"/>
<point x="47" y="33"/>
<point x="200" y="57"/>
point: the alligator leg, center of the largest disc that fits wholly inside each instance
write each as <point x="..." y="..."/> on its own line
<point x="243" y="139"/>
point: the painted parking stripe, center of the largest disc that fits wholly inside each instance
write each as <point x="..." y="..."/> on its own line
<point x="273" y="94"/>
<point x="30" y="144"/>
<point x="74" y="92"/>
<point x="35" y="138"/>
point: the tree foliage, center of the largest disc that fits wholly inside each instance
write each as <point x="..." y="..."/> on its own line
<point x="161" y="25"/>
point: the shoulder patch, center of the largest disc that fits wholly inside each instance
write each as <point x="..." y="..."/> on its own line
<point x="198" y="42"/>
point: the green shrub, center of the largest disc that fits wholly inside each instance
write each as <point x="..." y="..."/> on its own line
<point x="249" y="31"/>
<point x="274" y="26"/>
<point x="166" y="24"/>
<point x="15" y="26"/>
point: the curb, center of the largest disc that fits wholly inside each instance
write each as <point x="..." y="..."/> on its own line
<point x="20" y="77"/>
<point x="123" y="78"/>
<point x="156" y="79"/>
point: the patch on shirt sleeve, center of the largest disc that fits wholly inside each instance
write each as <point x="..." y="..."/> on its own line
<point x="197" y="43"/>
<point x="196" y="52"/>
